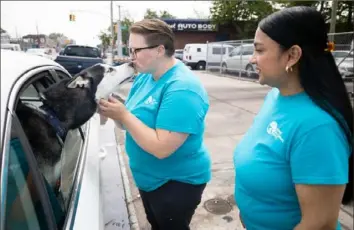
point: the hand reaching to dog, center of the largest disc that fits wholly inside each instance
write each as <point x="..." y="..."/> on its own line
<point x="112" y="108"/>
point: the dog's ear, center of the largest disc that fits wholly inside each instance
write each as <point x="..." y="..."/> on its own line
<point x="79" y="82"/>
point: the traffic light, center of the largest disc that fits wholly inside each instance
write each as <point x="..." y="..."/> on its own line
<point x="72" y="17"/>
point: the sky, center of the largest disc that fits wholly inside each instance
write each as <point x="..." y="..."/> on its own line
<point x="22" y="18"/>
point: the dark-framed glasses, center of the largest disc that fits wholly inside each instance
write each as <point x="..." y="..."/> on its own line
<point x="133" y="51"/>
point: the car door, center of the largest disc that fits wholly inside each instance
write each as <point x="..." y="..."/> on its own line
<point x="62" y="204"/>
<point x="233" y="59"/>
<point x="246" y="55"/>
<point x="25" y="203"/>
<point x="80" y="179"/>
<point x="30" y="201"/>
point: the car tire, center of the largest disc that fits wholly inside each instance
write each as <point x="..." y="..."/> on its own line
<point x="249" y="71"/>
<point x="200" y="65"/>
<point x="224" y="68"/>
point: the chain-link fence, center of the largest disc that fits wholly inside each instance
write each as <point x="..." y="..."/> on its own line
<point x="232" y="58"/>
<point x="344" y="55"/>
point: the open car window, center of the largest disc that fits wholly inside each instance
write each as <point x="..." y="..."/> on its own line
<point x="63" y="174"/>
<point x="70" y="159"/>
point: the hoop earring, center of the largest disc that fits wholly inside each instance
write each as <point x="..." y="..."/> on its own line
<point x="287" y="68"/>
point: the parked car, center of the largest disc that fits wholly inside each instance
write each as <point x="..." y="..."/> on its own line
<point x="75" y="58"/>
<point x="43" y="52"/>
<point x="179" y="54"/>
<point x="13" y="47"/>
<point x="196" y="55"/>
<point x="239" y="60"/>
<point x="344" y="60"/>
<point x="78" y="203"/>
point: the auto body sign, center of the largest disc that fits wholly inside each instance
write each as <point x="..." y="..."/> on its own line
<point x="191" y="25"/>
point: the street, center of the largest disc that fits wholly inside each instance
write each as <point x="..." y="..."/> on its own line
<point x="233" y="105"/>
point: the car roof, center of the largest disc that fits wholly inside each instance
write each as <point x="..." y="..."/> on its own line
<point x="13" y="65"/>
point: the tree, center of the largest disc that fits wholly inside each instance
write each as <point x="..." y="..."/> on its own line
<point x="165" y="14"/>
<point x="126" y="23"/>
<point x="243" y="12"/>
<point x="106" y="37"/>
<point x="151" y="14"/>
<point x="55" y="36"/>
<point x="244" y="15"/>
<point x="344" y="11"/>
<point x="105" y="40"/>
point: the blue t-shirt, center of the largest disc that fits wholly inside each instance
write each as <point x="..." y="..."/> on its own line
<point x="291" y="141"/>
<point x="176" y="102"/>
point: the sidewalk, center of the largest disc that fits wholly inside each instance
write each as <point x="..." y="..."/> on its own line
<point x="233" y="105"/>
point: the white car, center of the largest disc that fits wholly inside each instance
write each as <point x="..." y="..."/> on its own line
<point x="80" y="202"/>
<point x="345" y="62"/>
<point x="239" y="60"/>
<point x="43" y="52"/>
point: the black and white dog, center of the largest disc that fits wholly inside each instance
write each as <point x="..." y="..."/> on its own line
<point x="67" y="105"/>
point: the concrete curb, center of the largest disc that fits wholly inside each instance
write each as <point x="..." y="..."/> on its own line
<point x="133" y="220"/>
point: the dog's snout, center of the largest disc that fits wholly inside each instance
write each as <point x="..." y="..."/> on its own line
<point x="131" y="64"/>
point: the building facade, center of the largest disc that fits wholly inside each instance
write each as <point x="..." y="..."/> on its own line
<point x="195" y="31"/>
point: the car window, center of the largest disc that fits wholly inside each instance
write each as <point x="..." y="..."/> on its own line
<point x="24" y="207"/>
<point x="30" y="94"/>
<point x="199" y="49"/>
<point x="64" y="172"/>
<point x="247" y="50"/>
<point x="340" y="54"/>
<point x="70" y="157"/>
<point x="236" y="51"/>
<point x="82" y="51"/>
<point x="217" y="50"/>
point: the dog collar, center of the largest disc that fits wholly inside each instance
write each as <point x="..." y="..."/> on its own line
<point x="54" y="121"/>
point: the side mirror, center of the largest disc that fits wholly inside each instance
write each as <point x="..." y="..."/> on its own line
<point x="61" y="53"/>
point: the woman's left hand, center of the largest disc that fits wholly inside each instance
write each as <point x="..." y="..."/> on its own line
<point x="112" y="108"/>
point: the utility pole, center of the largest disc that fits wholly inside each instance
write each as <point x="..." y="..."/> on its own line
<point x="112" y="31"/>
<point x="38" y="39"/>
<point x="332" y="28"/>
<point x="119" y="34"/>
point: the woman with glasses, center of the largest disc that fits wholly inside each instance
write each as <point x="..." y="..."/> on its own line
<point x="164" y="118"/>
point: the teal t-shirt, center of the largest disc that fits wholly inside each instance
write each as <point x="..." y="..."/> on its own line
<point x="176" y="102"/>
<point x="291" y="141"/>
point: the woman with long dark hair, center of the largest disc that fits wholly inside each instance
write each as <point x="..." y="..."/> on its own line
<point x="294" y="166"/>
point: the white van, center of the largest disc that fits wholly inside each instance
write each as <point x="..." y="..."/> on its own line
<point x="195" y="54"/>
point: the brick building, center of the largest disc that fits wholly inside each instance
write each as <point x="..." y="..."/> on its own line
<point x="196" y="31"/>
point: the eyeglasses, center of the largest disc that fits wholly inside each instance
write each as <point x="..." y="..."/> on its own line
<point x="133" y="51"/>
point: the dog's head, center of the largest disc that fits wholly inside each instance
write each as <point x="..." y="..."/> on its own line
<point x="74" y="100"/>
<point x="113" y="80"/>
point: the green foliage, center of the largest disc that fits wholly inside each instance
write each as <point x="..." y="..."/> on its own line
<point x="244" y="15"/>
<point x="226" y="12"/>
<point x="151" y="14"/>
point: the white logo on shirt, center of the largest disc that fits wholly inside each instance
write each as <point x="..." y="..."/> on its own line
<point x="273" y="130"/>
<point x="150" y="101"/>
